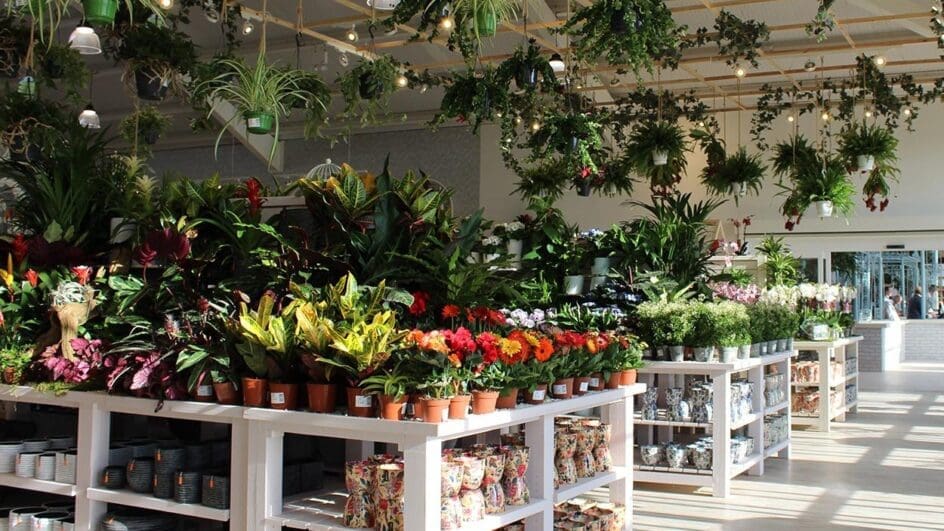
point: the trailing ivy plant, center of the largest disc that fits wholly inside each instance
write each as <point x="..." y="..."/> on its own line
<point x="474" y="98"/>
<point x="459" y="39"/>
<point x="157" y="52"/>
<point x="635" y="33"/>
<point x="823" y="23"/>
<point x="367" y="88"/>
<point x="529" y="69"/>
<point x="737" y="39"/>
<point x="662" y="136"/>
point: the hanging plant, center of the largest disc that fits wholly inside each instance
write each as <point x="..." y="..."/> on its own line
<point x="317" y="98"/>
<point x="474" y="98"/>
<point x="14" y="43"/>
<point x="792" y="156"/>
<point x="63" y="68"/>
<point x="529" y="69"/>
<point x="737" y="39"/>
<point x="635" y="33"/>
<point x="144" y="126"/>
<point x="823" y="23"/>
<point x="823" y="184"/>
<point x="485" y="15"/>
<point x="656" y="150"/>
<point x="864" y="146"/>
<point x="156" y="59"/>
<point x="877" y="184"/>
<point x="213" y="11"/>
<point x="426" y="16"/>
<point x="645" y="104"/>
<point x="367" y="87"/>
<point x="723" y="175"/>
<point x="103" y="12"/>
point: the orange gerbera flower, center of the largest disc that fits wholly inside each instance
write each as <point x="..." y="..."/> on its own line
<point x="454" y="360"/>
<point x="544" y="350"/>
<point x="450" y="311"/>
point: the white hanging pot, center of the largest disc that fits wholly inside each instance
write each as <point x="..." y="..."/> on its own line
<point x="573" y="284"/>
<point x="740" y="189"/>
<point x="865" y="162"/>
<point x="383" y="5"/>
<point x="659" y="157"/>
<point x="824" y="209"/>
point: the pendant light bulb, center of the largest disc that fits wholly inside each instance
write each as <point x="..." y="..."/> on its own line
<point x="868" y="113"/>
<point x="446" y="22"/>
<point x="880" y="60"/>
<point x="791" y="119"/>
<point x="739" y="72"/>
<point x="85" y="41"/>
<point x="402" y="81"/>
<point x="906" y="111"/>
<point x="535" y="125"/>
<point x="518" y="120"/>
<point x="166" y="5"/>
<point x="89" y="119"/>
<point x="351" y="34"/>
<point x="557" y="63"/>
<point x="247" y="27"/>
<point x="826" y="116"/>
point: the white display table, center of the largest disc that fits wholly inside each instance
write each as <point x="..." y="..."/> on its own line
<point x="671" y="374"/>
<point x="844" y="351"/>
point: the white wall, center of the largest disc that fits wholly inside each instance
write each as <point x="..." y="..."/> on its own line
<point x="917" y="202"/>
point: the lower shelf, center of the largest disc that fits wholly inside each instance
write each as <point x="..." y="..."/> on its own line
<point x="39" y="485"/>
<point x="775" y="449"/>
<point x="322" y="511"/>
<point x="146" y="501"/>
<point x="585" y="485"/>
<point x="800" y="419"/>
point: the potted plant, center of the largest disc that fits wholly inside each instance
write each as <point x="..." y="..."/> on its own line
<point x="268" y="347"/>
<point x="527" y="66"/>
<point x="144" y="126"/>
<point x="315" y="332"/>
<point x="485" y="15"/>
<point x="863" y="146"/>
<point x="731" y="320"/>
<point x="156" y="58"/>
<point x="629" y="358"/>
<point x="102" y="12"/>
<point x="367" y="87"/>
<point x="703" y="336"/>
<point x="474" y="97"/>
<point x="656" y="150"/>
<point x="739" y="174"/>
<point x="512" y="234"/>
<point x="205" y="368"/>
<point x="391" y="389"/>
<point x="62" y="67"/>
<point x="13" y="361"/>
<point x="825" y="185"/>
<point x="575" y="259"/>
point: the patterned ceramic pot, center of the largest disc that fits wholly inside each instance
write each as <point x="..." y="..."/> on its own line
<point x="451" y="475"/>
<point x="584" y="437"/>
<point x="473" y="470"/>
<point x="357" y="511"/>
<point x="516" y="466"/>
<point x="388" y="482"/>
<point x="388" y="516"/>
<point x="566" y="449"/>
<point x="676" y="456"/>
<point x="601" y="452"/>
<point x="473" y="506"/>
<point x="357" y="476"/>
<point x="651" y="454"/>
<point x="491" y="484"/>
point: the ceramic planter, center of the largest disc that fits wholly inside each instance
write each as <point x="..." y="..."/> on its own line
<point x="584" y="437"/>
<point x="515" y="249"/>
<point x="150" y="86"/>
<point x="601" y="452"/>
<point x="581" y="385"/>
<point x="597" y="281"/>
<point x="254" y="392"/>
<point x="781" y="345"/>
<point x="473" y="471"/>
<point x="628" y="377"/>
<point x="392" y="408"/>
<point x="729" y="354"/>
<point x="772" y="347"/>
<point x="651" y="454"/>
<point x="601" y="265"/>
<point x="739" y="189"/>
<point x="357" y="511"/>
<point x="676" y="353"/>
<point x="322" y="398"/>
<point x="744" y="352"/>
<point x="824" y="209"/>
<point x="676" y="455"/>
<point x="865" y="163"/>
<point x="659" y="158"/>
<point x="259" y="122"/>
<point x="283" y="396"/>
<point x="702" y="354"/>
<point x="584" y="188"/>
<point x="459" y="406"/>
<point x="435" y="409"/>
<point x="573" y="284"/>
<point x="9" y="376"/>
<point x="491" y="484"/>
<point x="101" y="12"/>
<point x="596" y="382"/>
<point x="484" y="402"/>
<point x="563" y="388"/>
<point x="566" y="445"/>
<point x="359" y="404"/>
<point x="538" y="395"/>
<point x="418" y="406"/>
<point x="204" y="392"/>
<point x="487" y="22"/>
<point x="613" y="382"/>
<point x="507" y="399"/>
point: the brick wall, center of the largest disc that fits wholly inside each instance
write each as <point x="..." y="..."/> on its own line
<point x="924" y="341"/>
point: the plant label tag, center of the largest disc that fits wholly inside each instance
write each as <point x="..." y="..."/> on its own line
<point x="538" y="394"/>
<point x="205" y="390"/>
<point x="594" y="382"/>
<point x="560" y="389"/>
<point x="584" y="386"/>
<point x="363" y="401"/>
<point x="254" y="122"/>
<point x="277" y="398"/>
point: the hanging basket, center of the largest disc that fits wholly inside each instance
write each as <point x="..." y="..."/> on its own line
<point x="824" y="208"/>
<point x="865" y="163"/>
<point x="149" y="86"/>
<point x="487" y="22"/>
<point x="659" y="157"/>
<point x="259" y="122"/>
<point x="100" y="11"/>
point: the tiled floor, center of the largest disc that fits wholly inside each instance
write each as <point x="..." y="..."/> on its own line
<point x="881" y="469"/>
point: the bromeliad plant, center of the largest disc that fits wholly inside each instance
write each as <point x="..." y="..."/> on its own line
<point x="656" y="151"/>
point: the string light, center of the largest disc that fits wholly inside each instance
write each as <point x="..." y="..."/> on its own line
<point x="247" y="27"/>
<point x="740" y="72"/>
<point x="906" y="111"/>
<point x="868" y="113"/>
<point x="351" y="34"/>
<point x="402" y="81"/>
<point x="446" y="22"/>
<point x="826" y="116"/>
<point x="518" y="120"/>
<point x="791" y="119"/>
<point x="880" y="60"/>
<point x="535" y="125"/>
<point x="166" y="4"/>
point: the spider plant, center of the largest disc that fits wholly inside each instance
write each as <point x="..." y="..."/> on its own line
<point x="657" y="151"/>
<point x="485" y="15"/>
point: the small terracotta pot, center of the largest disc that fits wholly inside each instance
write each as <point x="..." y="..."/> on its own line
<point x="537" y="396"/>
<point x="596" y="383"/>
<point x="9" y="376"/>
<point x="484" y="402"/>
<point x="581" y="385"/>
<point x="433" y="409"/>
<point x="391" y="409"/>
<point x="613" y="382"/>
<point x="283" y="396"/>
<point x="628" y="377"/>
<point x="563" y="388"/>
<point x="203" y="393"/>
<point x="254" y="392"/>
<point x="225" y="392"/>
<point x="459" y="406"/>
<point x="322" y="398"/>
<point x="418" y="406"/>
<point x="359" y="404"/>
<point x="508" y="399"/>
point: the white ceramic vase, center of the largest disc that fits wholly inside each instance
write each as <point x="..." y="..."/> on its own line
<point x="515" y="249"/>
<point x="573" y="284"/>
<point x="824" y="208"/>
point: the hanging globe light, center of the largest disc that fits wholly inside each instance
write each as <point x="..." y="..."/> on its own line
<point x="89" y="119"/>
<point x="85" y="41"/>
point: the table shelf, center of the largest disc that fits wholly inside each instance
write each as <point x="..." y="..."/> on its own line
<point x="585" y="485"/>
<point x="146" y="501"/>
<point x="38" y="485"/>
<point x="842" y="350"/>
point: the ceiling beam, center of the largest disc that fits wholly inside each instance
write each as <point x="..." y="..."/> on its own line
<point x="338" y="44"/>
<point x="881" y="9"/>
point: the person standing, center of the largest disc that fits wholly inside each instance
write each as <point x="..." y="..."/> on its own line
<point x="934" y="302"/>
<point x="888" y="305"/>
<point x="915" y="305"/>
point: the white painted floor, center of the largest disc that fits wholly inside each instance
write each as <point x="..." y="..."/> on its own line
<point x="881" y="469"/>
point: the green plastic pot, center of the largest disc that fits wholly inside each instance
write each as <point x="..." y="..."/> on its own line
<point x="260" y="122"/>
<point x="100" y="11"/>
<point x="487" y="23"/>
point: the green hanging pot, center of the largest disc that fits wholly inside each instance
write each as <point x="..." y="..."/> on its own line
<point x="487" y="22"/>
<point x="100" y="11"/>
<point x="259" y="122"/>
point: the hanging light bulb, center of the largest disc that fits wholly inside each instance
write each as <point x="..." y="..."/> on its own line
<point x="880" y="60"/>
<point x="578" y="85"/>
<point x="165" y="4"/>
<point x="446" y="22"/>
<point x="351" y="34"/>
<point x="89" y="119"/>
<point x="247" y="27"/>
<point x="868" y="113"/>
<point x="701" y="124"/>
<point x="739" y="72"/>
<point x="535" y="125"/>
<point x="826" y="116"/>
<point x="518" y="120"/>
<point x="84" y="40"/>
<point x="906" y="111"/>
<point x="557" y="63"/>
<point x="402" y="81"/>
<point x="791" y="119"/>
<point x="498" y="114"/>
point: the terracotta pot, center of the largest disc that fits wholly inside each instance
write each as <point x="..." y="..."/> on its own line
<point x="254" y="392"/>
<point x="391" y="409"/>
<point x="596" y="383"/>
<point x="484" y="402"/>
<point x="563" y="388"/>
<point x="322" y="398"/>
<point x="359" y="404"/>
<point x="418" y="406"/>
<point x="283" y="396"/>
<point x="9" y="376"/>
<point x="459" y="406"/>
<point x="225" y="392"/>
<point x="613" y="382"/>
<point x="204" y="392"/>
<point x="581" y="385"/>
<point x="537" y="396"/>
<point x="433" y="409"/>
<point x="508" y="399"/>
<point x="628" y="377"/>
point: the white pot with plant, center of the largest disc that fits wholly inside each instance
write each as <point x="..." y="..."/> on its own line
<point x="573" y="284"/>
<point x="512" y="234"/>
<point x="824" y="209"/>
<point x="660" y="157"/>
<point x="865" y="163"/>
<point x="867" y="145"/>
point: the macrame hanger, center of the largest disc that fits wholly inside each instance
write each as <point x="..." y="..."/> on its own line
<point x="298" y="35"/>
<point x="659" y="88"/>
<point x="739" y="111"/>
<point x="265" y="19"/>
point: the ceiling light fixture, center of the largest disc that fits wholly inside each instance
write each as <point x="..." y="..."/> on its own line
<point x="89" y="119"/>
<point x="247" y="27"/>
<point x="165" y="4"/>
<point x="351" y="34"/>
<point x="739" y="72"/>
<point x="557" y="63"/>
<point x="868" y="113"/>
<point x="809" y="66"/>
<point x="383" y="5"/>
<point x="84" y="40"/>
<point x="880" y="60"/>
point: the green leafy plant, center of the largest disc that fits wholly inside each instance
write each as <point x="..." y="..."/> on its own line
<point x="474" y="98"/>
<point x="155" y="52"/>
<point x="662" y="137"/>
<point x="869" y="141"/>
<point x="528" y="68"/>
<point x="367" y="88"/>
<point x="144" y="126"/>
<point x="268" y="339"/>
<point x="793" y="157"/>
<point x="62" y="67"/>
<point x="485" y="15"/>
<point x="388" y="383"/>
<point x="781" y="268"/>
<point x="827" y="182"/>
<point x="823" y="22"/>
<point x="734" y="174"/>
<point x="738" y="39"/>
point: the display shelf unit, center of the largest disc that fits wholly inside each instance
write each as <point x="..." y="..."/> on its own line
<point x="94" y="426"/>
<point x="840" y="350"/>
<point x="723" y="470"/>
<point x="422" y="444"/>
